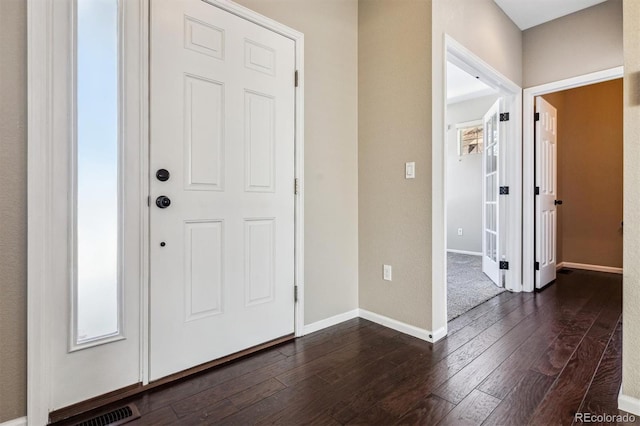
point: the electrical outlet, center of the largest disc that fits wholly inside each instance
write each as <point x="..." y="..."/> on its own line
<point x="386" y="272"/>
<point x="459" y="231"/>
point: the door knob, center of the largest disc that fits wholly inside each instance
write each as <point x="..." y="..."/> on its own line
<point x="557" y="202"/>
<point x="163" y="175"/>
<point x="163" y="202"/>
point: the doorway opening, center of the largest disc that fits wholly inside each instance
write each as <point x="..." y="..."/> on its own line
<point x="586" y="173"/>
<point x="482" y="188"/>
<point x="585" y="196"/>
<point x="468" y="282"/>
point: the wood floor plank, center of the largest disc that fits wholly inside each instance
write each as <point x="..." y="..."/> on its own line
<point x="256" y="393"/>
<point x="164" y="396"/>
<point x="303" y="364"/>
<point x="474" y="314"/>
<point x="470" y="331"/>
<point x="301" y="393"/>
<point x="377" y="341"/>
<point x="322" y="402"/>
<point x="566" y="394"/>
<point x="518" y="406"/>
<point x="603" y="392"/>
<point x="428" y="411"/>
<point x="389" y="388"/>
<point x="468" y="378"/>
<point x="210" y="415"/>
<point x="398" y="393"/>
<point x="163" y="417"/>
<point x="508" y="374"/>
<point x="553" y="360"/>
<point x="473" y="410"/>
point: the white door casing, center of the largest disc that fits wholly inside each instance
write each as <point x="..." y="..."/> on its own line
<point x="52" y="385"/>
<point x="222" y="123"/>
<point x="546" y="188"/>
<point x="490" y="193"/>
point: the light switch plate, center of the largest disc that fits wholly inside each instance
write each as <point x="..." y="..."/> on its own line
<point x="386" y="272"/>
<point x="410" y="170"/>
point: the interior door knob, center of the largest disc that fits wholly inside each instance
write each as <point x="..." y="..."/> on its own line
<point x="163" y="202"/>
<point x="557" y="202"/>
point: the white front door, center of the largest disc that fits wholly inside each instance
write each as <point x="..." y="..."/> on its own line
<point x="490" y="193"/>
<point x="222" y="155"/>
<point x="546" y="191"/>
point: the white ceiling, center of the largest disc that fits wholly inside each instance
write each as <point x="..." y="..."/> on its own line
<point x="462" y="86"/>
<point x="529" y="13"/>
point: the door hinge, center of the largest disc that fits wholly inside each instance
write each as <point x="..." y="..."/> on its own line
<point x="149" y="201"/>
<point x="536" y="116"/>
<point x="504" y="190"/>
<point x="295" y="293"/>
<point x="536" y="190"/>
<point x="296" y="187"/>
<point x="536" y="265"/>
<point x="295" y="78"/>
<point x="504" y="264"/>
<point x="504" y="116"/>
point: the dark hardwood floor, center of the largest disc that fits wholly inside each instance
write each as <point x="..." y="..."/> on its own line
<point x="516" y="359"/>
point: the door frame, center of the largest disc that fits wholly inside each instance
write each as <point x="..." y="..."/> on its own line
<point x="43" y="200"/>
<point x="513" y="98"/>
<point x="528" y="169"/>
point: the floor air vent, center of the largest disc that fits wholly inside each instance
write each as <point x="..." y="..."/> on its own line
<point x="116" y="417"/>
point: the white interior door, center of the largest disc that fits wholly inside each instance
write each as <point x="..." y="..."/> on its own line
<point x="490" y="193"/>
<point x="222" y="126"/>
<point x="546" y="191"/>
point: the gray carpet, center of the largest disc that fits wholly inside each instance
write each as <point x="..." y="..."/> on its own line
<point x="467" y="286"/>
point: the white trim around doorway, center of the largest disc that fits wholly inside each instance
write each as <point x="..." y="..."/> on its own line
<point x="461" y="56"/>
<point x="528" y="169"/>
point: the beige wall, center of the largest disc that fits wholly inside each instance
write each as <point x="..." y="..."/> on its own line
<point x="394" y="60"/>
<point x="631" y="288"/>
<point x="587" y="41"/>
<point x="483" y="28"/>
<point x="590" y="173"/>
<point x="330" y="29"/>
<point x="13" y="208"/>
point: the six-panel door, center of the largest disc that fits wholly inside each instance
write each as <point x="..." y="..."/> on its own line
<point x="222" y="124"/>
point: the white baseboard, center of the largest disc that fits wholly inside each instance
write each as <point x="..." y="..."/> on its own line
<point x="471" y="253"/>
<point x="586" y="267"/>
<point x="328" y="322"/>
<point x="405" y="328"/>
<point x="402" y="327"/>
<point x="628" y="403"/>
<point x="22" y="421"/>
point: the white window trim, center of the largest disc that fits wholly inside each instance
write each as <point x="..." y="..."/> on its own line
<point x="42" y="202"/>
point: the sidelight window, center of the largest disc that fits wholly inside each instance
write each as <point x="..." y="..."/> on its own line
<point x="97" y="278"/>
